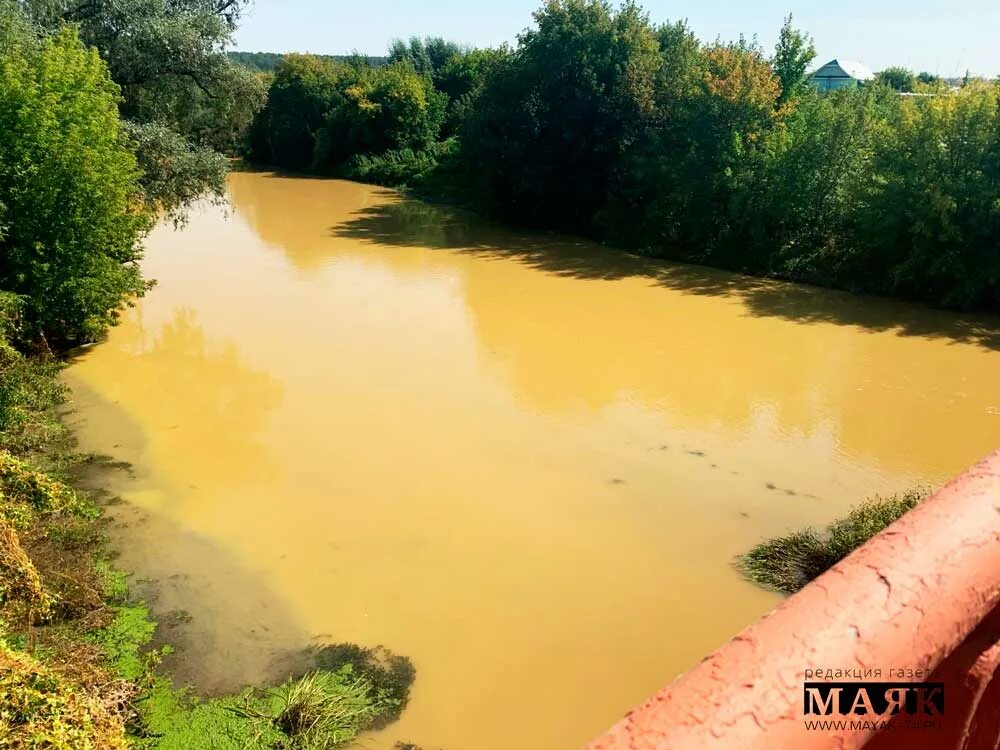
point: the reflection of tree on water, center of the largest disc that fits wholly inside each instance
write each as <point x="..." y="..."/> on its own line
<point x="295" y="214"/>
<point x="714" y="348"/>
<point x="411" y="222"/>
<point x="206" y="407"/>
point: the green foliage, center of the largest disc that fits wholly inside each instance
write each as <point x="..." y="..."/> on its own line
<point x="321" y="710"/>
<point x="806" y="185"/>
<point x="22" y="595"/>
<point x="426" y="56"/>
<point x="69" y="182"/>
<point x="175" y="172"/>
<point x="931" y="230"/>
<point x="461" y="79"/>
<point x="787" y="563"/>
<point x="114" y="582"/>
<point x="303" y="90"/>
<point x="551" y="125"/>
<point x="325" y="115"/>
<point x="174" y="720"/>
<point x="168" y="58"/>
<point x="389" y="675"/>
<point x="793" y="55"/>
<point x="29" y="390"/>
<point x="396" y="167"/>
<point x="379" y="110"/>
<point x="267" y="62"/>
<point x="602" y="123"/>
<point x="25" y="491"/>
<point x="44" y="711"/>
<point x="686" y="169"/>
<point x="897" y="78"/>
<point x="123" y="639"/>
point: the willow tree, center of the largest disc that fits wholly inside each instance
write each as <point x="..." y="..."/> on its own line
<point x="183" y="97"/>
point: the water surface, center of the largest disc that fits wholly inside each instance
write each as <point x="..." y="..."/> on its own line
<point x="521" y="460"/>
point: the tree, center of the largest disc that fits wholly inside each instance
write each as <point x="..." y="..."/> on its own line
<point x="321" y="114"/>
<point x="303" y="90"/>
<point x="807" y="184"/>
<point x="168" y="58"/>
<point x="426" y="55"/>
<point x="928" y="78"/>
<point x="897" y="78"/>
<point x="382" y="109"/>
<point x="553" y="119"/>
<point x="689" y="169"/>
<point x="461" y="79"/>
<point x="792" y="56"/>
<point x="69" y="182"/>
<point x="932" y="230"/>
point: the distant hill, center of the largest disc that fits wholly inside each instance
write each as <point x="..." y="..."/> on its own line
<point x="268" y="61"/>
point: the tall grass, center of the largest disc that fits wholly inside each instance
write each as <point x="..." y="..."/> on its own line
<point x="787" y="563"/>
<point x="324" y="709"/>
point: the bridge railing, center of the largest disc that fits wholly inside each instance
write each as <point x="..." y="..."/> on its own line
<point x="917" y="604"/>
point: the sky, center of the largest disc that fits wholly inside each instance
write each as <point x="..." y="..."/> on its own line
<point x="946" y="38"/>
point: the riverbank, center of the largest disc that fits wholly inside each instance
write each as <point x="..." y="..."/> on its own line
<point x="66" y="631"/>
<point x="77" y="670"/>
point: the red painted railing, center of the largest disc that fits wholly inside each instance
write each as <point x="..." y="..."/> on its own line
<point x="917" y="603"/>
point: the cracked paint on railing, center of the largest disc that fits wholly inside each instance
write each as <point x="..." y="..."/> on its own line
<point x="921" y="595"/>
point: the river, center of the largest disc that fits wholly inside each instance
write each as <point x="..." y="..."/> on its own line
<point x="524" y="461"/>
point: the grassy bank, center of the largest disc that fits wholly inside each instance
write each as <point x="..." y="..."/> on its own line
<point x="787" y="563"/>
<point x="76" y="669"/>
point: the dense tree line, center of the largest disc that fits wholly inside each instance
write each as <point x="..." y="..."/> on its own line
<point x="266" y="62"/>
<point x="603" y="123"/>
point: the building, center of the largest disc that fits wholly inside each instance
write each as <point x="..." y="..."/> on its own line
<point x="837" y="74"/>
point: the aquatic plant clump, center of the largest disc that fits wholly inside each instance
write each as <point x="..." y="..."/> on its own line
<point x="787" y="563"/>
<point x="389" y="675"/>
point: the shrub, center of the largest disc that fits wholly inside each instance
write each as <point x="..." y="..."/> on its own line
<point x="400" y="167"/>
<point x="28" y="387"/>
<point x="42" y="710"/>
<point x="24" y="490"/>
<point x="379" y="110"/>
<point x="21" y="590"/>
<point x="787" y="563"/>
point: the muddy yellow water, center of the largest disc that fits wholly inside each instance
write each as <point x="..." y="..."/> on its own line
<point x="520" y="460"/>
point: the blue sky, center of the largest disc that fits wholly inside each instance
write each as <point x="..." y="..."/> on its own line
<point x="941" y="37"/>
